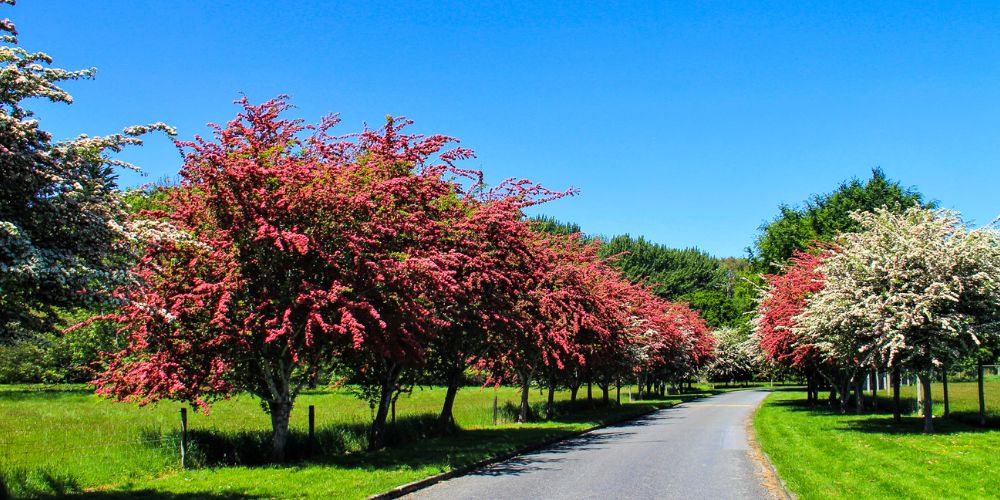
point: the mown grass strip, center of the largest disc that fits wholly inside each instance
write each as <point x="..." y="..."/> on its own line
<point x="820" y="453"/>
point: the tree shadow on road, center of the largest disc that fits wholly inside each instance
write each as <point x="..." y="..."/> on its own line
<point x="543" y="459"/>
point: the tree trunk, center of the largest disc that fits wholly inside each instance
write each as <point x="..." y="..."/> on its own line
<point x="810" y="389"/>
<point x="446" y="421"/>
<point x="590" y="392"/>
<point x="605" y="388"/>
<point x="551" y="403"/>
<point x="982" y="399"/>
<point x="859" y="404"/>
<point x="928" y="403"/>
<point x="280" y="411"/>
<point x="376" y="436"/>
<point x="572" y="393"/>
<point x="944" y="386"/>
<point x="618" y="391"/>
<point x="845" y="393"/>
<point x="896" y="417"/>
<point x="522" y="416"/>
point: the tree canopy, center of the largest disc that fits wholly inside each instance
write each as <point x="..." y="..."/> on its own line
<point x="822" y="217"/>
<point x="671" y="273"/>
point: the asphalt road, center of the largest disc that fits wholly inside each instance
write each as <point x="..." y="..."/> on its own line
<point x="698" y="449"/>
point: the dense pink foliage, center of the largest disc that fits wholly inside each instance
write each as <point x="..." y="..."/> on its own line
<point x="291" y="251"/>
<point x="299" y="249"/>
<point x="785" y="299"/>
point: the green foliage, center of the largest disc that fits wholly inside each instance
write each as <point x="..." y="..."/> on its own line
<point x="671" y="272"/>
<point x="41" y="359"/>
<point x="52" y="358"/>
<point x="730" y="305"/>
<point x="822" y="217"/>
<point x="551" y="225"/>
<point x="146" y="198"/>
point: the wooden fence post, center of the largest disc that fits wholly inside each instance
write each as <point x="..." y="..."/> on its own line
<point x="494" y="408"/>
<point x="312" y="430"/>
<point x="944" y="385"/>
<point x="184" y="437"/>
<point x="982" y="400"/>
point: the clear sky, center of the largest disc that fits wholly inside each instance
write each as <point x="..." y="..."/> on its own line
<point x="686" y="122"/>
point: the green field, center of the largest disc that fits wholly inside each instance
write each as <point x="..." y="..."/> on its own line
<point x="820" y="453"/>
<point x="963" y="397"/>
<point x="67" y="440"/>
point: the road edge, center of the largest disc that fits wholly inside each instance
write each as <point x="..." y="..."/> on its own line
<point x="465" y="469"/>
<point x="771" y="480"/>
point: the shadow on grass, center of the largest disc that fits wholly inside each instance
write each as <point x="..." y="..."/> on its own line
<point x="908" y="425"/>
<point x="214" y="448"/>
<point x="110" y="495"/>
<point x="879" y="420"/>
<point x="41" y="484"/>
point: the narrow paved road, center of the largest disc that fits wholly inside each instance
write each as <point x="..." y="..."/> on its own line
<point x="694" y="450"/>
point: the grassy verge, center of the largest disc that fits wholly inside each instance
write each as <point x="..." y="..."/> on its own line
<point x="820" y="453"/>
<point x="963" y="398"/>
<point x="67" y="441"/>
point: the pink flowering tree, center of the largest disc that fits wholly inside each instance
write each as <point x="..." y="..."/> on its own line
<point x="784" y="298"/>
<point x="293" y="251"/>
<point x="497" y="267"/>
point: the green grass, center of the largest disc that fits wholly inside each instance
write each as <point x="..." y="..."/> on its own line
<point x="66" y="440"/>
<point x="963" y="397"/>
<point x="820" y="453"/>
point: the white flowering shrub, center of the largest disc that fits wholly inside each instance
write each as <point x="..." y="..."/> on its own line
<point x="912" y="289"/>
<point x="63" y="225"/>
<point x="737" y="356"/>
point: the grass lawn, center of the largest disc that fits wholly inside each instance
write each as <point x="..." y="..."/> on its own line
<point x="65" y="440"/>
<point x="820" y="453"/>
<point x="963" y="397"/>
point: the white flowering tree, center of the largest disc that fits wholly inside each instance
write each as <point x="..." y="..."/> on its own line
<point x="63" y="224"/>
<point x="737" y="356"/>
<point x="908" y="289"/>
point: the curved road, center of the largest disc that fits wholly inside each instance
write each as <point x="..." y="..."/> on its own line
<point x="699" y="449"/>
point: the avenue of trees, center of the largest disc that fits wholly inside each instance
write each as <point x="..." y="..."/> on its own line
<point x="286" y="257"/>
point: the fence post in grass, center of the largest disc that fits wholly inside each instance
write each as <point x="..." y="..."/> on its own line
<point x="494" y="408"/>
<point x="312" y="431"/>
<point x="982" y="399"/>
<point x="184" y="437"/>
<point x="920" y="395"/>
<point x="944" y="384"/>
<point x="895" y="395"/>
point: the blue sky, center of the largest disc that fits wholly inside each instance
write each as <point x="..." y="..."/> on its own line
<point x="686" y="122"/>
